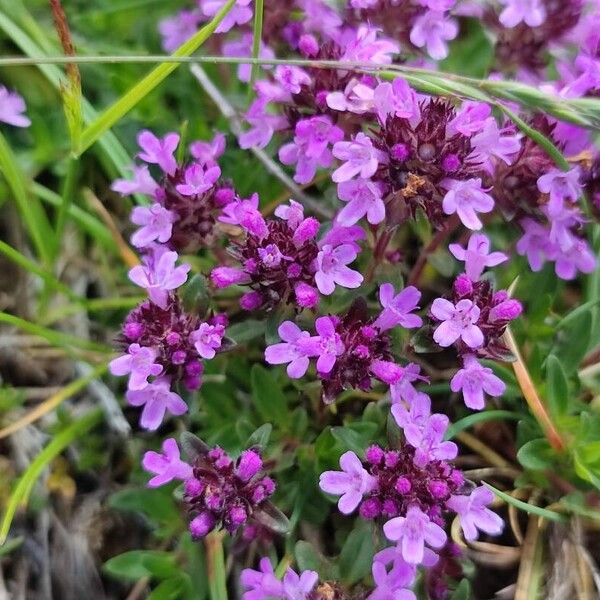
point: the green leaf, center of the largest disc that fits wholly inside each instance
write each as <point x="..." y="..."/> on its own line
<point x="138" y="564"/>
<point x="572" y="342"/>
<point x="356" y="557"/>
<point x="471" y="53"/>
<point x="355" y="436"/>
<point x="536" y="455"/>
<point x="480" y="417"/>
<point x="462" y="591"/>
<point x="143" y="87"/>
<point x="246" y="331"/>
<point x="260" y="437"/>
<point x="24" y="486"/>
<point x="525" y="506"/>
<point x="309" y="558"/>
<point x="269" y="400"/>
<point x="156" y="504"/>
<point x="171" y="589"/>
<point x="557" y="387"/>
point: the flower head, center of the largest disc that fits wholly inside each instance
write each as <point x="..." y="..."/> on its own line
<point x="139" y="363"/>
<point x="156" y="225"/>
<point x="474" y="379"/>
<point x="332" y="269"/>
<point x="467" y="199"/>
<point x="292" y="350"/>
<point x="159" y="276"/>
<point x="414" y="531"/>
<point x="457" y="321"/>
<point x="477" y="255"/>
<point x="474" y="514"/>
<point x="156" y="398"/>
<point x="12" y="107"/>
<point x="159" y="150"/>
<point x="351" y="483"/>
<point x="530" y="12"/>
<point x="432" y="30"/>
<point x="397" y="308"/>
<point x="166" y="466"/>
<point x="360" y="158"/>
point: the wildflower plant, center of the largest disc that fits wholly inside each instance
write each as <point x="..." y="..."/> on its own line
<point x="356" y="357"/>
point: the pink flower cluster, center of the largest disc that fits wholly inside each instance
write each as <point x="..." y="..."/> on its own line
<point x="216" y="489"/>
<point x="352" y="349"/>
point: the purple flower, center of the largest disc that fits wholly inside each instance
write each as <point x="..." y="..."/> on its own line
<point x="310" y="148"/>
<point x="477" y="255"/>
<point x="491" y="142"/>
<point x="159" y="150"/>
<point x="474" y="379"/>
<point x="360" y="156"/>
<point x="365" y="47"/>
<point x="291" y="78"/>
<point x="428" y="440"/>
<point x="404" y="389"/>
<point x="263" y="125"/>
<point x="340" y="234"/>
<point x="207" y="152"/>
<point x="160" y="278"/>
<point x="458" y="321"/>
<point x="156" y="225"/>
<point x="238" y="208"/>
<point x="561" y="186"/>
<point x="142" y="183"/>
<point x="332" y="269"/>
<point x="178" y="29"/>
<point x="226" y="276"/>
<point x="364" y="197"/>
<point x="327" y="345"/>
<point x="139" y="364"/>
<point x="166" y="466"/>
<point x="470" y="119"/>
<point x="417" y="414"/>
<point x="292" y="213"/>
<point x="262" y="584"/>
<point x="530" y="12"/>
<point x="198" y="179"/>
<point x="474" y="514"/>
<point x="243" y="47"/>
<point x="240" y="13"/>
<point x="391" y="585"/>
<point x="156" y="398"/>
<point x="357" y="98"/>
<point x="466" y="199"/>
<point x="579" y="257"/>
<point x="534" y="243"/>
<point x="207" y="339"/>
<point x="298" y="587"/>
<point x="432" y="30"/>
<point x="397" y="309"/>
<point x="12" y="107"/>
<point x="413" y="532"/>
<point x="292" y="350"/>
<point x="352" y="482"/>
<point x="396" y="98"/>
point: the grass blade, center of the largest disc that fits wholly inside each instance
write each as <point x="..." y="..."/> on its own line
<point x="256" y="39"/>
<point x="30" y="209"/>
<point x="481" y="417"/>
<point x="55" y="338"/>
<point x="550" y="515"/>
<point x="53" y="401"/>
<point x="22" y="491"/>
<point x="27" y="264"/>
<point x="141" y="89"/>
